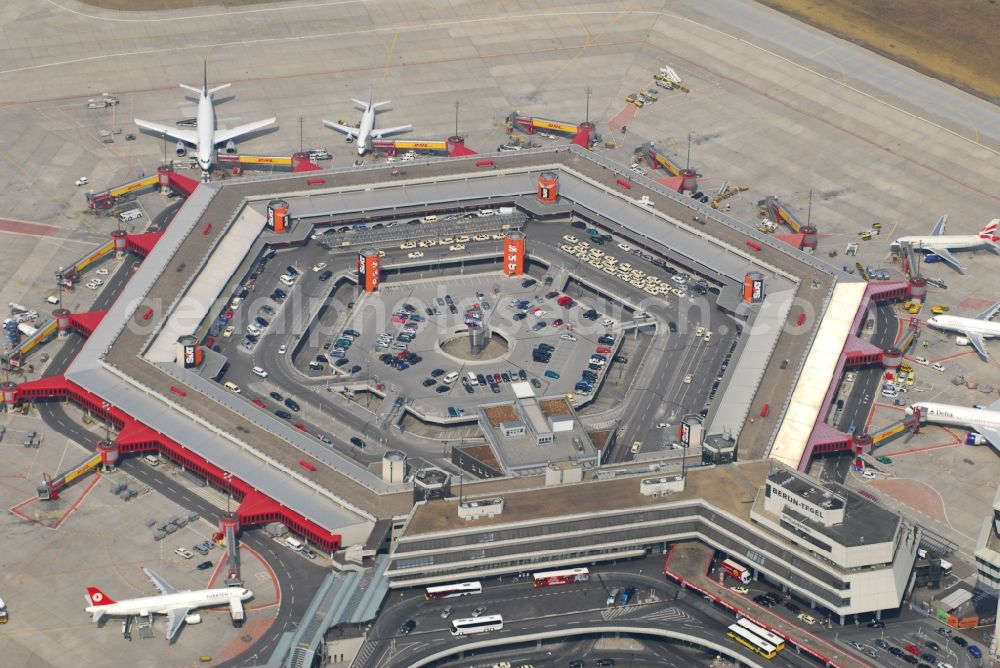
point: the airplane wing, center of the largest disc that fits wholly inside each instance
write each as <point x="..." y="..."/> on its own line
<point x="378" y="134"/>
<point x="977" y="342"/>
<point x="990" y="434"/>
<point x="945" y="255"/>
<point x="180" y="134"/>
<point x="939" y="226"/>
<point x="159" y="582"/>
<point x="349" y="131"/>
<point x="175" y="618"/>
<point x="989" y="313"/>
<point x="222" y="136"/>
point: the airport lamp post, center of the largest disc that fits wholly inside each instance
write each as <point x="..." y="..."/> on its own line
<point x="228" y="478"/>
<point x="107" y="425"/>
<point x="587" y="116"/>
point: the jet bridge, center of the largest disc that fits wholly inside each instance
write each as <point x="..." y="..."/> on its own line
<point x="296" y="163"/>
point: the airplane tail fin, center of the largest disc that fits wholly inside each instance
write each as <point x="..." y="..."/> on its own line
<point x="98" y="597"/>
<point x="989" y="233"/>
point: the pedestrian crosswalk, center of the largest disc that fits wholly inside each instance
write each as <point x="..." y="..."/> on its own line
<point x="365" y="653"/>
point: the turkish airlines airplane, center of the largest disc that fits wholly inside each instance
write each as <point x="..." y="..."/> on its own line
<point x="985" y="421"/>
<point x="364" y="134"/>
<point x="938" y="245"/>
<point x="974" y="330"/>
<point x="173" y="603"/>
<point x="205" y="137"/>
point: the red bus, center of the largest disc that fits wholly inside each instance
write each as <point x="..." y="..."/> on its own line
<point x="568" y="576"/>
<point x="737" y="572"/>
<point x="453" y="590"/>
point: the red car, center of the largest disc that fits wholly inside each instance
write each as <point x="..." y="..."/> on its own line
<point x="604" y="350"/>
<point x="301" y="427"/>
<point x="913" y="649"/>
<point x="557" y="322"/>
<point x="402" y="355"/>
<point x="258" y="402"/>
<point x="562" y="301"/>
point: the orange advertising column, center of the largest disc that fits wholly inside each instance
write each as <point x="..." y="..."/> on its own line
<point x="753" y="288"/>
<point x="368" y="269"/>
<point x="277" y="215"/>
<point x="513" y="253"/>
<point x="548" y="187"/>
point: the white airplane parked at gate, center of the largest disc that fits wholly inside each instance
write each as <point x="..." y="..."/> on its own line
<point x="973" y="331"/>
<point x="204" y="137"/>
<point x="984" y="421"/>
<point x="364" y="133"/>
<point x="938" y="245"/>
<point x="175" y="604"/>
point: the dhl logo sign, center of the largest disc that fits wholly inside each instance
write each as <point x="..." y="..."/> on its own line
<point x="264" y="160"/>
<point x="553" y="125"/>
<point x="138" y="185"/>
<point x="429" y="145"/>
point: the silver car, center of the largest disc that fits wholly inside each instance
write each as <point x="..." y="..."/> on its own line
<point x="446" y="613"/>
<point x="479" y="611"/>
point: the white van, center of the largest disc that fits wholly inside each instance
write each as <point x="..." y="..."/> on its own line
<point x="52" y="299"/>
<point x="294" y="544"/>
<point x="921" y="360"/>
<point x="450" y="378"/>
<point x="129" y="216"/>
<point x="259" y="371"/>
<point x="152" y="460"/>
<point x="429" y="219"/>
<point x="287" y="280"/>
<point x="232" y="387"/>
<point x="472" y="379"/>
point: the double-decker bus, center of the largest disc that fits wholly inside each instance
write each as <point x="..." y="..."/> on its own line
<point x="752" y="641"/>
<point x="764" y="634"/>
<point x="567" y="576"/>
<point x="453" y="590"/>
<point x="736" y="571"/>
<point x="461" y="627"/>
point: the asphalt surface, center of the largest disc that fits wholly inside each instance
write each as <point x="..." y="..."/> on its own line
<point x="292" y="571"/>
<point x="526" y="610"/>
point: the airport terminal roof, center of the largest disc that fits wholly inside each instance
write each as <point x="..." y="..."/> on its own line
<point x="186" y="262"/>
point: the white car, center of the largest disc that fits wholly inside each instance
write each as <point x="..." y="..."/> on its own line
<point x="687" y="379"/>
<point x="740" y="590"/>
<point x="607" y="322"/>
<point x="82" y="181"/>
<point x="407" y="245"/>
<point x="481" y="237"/>
<point x="97" y="281"/>
<point x="181" y="552"/>
<point x="319" y="266"/>
<point x="567" y="337"/>
<point x="415" y="254"/>
<point x="228" y="331"/>
<point x="661" y="425"/>
<point x="570" y="238"/>
<point x="103" y="271"/>
<point x="699" y="332"/>
<point x="254" y="330"/>
<point x="808" y="619"/>
<point x="258" y="371"/>
<point x="282" y="349"/>
<point x="625" y="247"/>
<point x="938" y="366"/>
<point x="92" y="285"/>
<point x="456" y="247"/>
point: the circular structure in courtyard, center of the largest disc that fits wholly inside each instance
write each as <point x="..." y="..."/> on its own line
<point x="462" y="346"/>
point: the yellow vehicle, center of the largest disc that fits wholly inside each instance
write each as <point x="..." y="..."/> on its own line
<point x="907" y="305"/>
<point x="865" y="236"/>
<point x="938" y="309"/>
<point x="907" y="369"/>
<point x="630" y="99"/>
<point x="648" y="94"/>
<point x="876" y="226"/>
<point x="639" y="103"/>
<point x="910" y="380"/>
<point x="660" y="76"/>
<point x="915" y="308"/>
